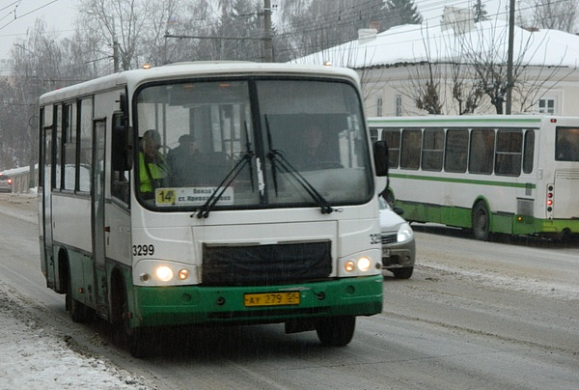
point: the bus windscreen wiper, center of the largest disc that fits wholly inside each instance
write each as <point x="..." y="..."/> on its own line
<point x="216" y="195"/>
<point x="278" y="160"/>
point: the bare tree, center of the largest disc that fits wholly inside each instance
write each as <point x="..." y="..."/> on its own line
<point x="426" y="87"/>
<point x="552" y="14"/>
<point x="484" y="54"/>
<point x="134" y="29"/>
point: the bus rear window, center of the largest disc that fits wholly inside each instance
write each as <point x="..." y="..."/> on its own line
<point x="567" y="144"/>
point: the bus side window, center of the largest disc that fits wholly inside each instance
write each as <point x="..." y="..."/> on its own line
<point x="392" y="138"/>
<point x="432" y="149"/>
<point x="456" y="150"/>
<point x="482" y="150"/>
<point x="410" y="151"/>
<point x="509" y="152"/>
<point x="529" y="155"/>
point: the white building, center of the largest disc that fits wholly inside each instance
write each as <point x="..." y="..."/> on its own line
<point x="397" y="66"/>
<point x="6" y="66"/>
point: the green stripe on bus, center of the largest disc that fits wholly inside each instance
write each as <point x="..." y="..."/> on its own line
<point x="463" y="181"/>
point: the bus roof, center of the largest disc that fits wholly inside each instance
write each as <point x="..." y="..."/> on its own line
<point x="132" y="78"/>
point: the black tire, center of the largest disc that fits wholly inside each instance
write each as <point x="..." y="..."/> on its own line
<point x="481" y="222"/>
<point x="403" y="273"/>
<point x="140" y="344"/>
<point x="133" y="339"/>
<point x="119" y="309"/>
<point x="336" y="331"/>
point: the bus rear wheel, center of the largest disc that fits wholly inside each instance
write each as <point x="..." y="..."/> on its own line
<point x="480" y="222"/>
<point x="336" y="331"/>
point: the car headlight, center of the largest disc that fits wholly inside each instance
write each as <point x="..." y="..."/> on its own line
<point x="405" y="233"/>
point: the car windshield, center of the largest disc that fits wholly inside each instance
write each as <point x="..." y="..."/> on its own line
<point x="241" y="143"/>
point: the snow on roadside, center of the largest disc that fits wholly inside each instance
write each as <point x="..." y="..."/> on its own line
<point x="549" y="289"/>
<point x="36" y="356"/>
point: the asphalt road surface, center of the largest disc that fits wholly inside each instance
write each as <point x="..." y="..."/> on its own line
<point x="475" y="315"/>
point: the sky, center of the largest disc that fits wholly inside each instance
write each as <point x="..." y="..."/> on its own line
<point x="17" y="17"/>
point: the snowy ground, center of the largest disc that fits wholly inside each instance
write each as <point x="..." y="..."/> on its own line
<point x="37" y="356"/>
<point x="34" y="356"/>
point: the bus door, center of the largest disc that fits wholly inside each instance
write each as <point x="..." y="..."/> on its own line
<point x="47" y="154"/>
<point x="98" y="212"/>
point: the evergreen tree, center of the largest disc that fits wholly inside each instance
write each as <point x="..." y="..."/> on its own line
<point x="399" y="12"/>
<point x="479" y="11"/>
<point x="370" y="14"/>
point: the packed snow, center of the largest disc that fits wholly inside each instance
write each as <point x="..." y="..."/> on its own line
<point x="35" y="355"/>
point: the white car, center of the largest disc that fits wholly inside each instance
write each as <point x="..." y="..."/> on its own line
<point x="398" y="246"/>
<point x="5" y="184"/>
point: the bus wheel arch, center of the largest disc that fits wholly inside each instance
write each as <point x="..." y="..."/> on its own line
<point x="135" y="338"/>
<point x="63" y="272"/>
<point x="77" y="310"/>
<point x="481" y="220"/>
<point x="119" y="301"/>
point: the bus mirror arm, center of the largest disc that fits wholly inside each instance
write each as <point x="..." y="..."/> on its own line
<point x="381" y="158"/>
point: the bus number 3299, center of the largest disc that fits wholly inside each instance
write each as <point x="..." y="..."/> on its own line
<point x="143" y="250"/>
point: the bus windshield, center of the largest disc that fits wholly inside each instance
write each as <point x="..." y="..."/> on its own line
<point x="252" y="143"/>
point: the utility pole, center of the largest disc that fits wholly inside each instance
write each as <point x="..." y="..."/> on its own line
<point x="267" y="45"/>
<point x="116" y="55"/>
<point x="510" y="56"/>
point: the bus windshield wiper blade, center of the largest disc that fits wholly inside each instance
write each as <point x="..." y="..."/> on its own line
<point x="216" y="195"/>
<point x="277" y="159"/>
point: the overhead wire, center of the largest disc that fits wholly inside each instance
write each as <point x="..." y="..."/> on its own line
<point x="17" y="17"/>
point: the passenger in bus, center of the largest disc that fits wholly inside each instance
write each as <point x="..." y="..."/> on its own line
<point x="314" y="155"/>
<point x="153" y="169"/>
<point x="184" y="162"/>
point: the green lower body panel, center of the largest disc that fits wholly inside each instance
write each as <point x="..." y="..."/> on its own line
<point x="185" y="305"/>
<point x="506" y="223"/>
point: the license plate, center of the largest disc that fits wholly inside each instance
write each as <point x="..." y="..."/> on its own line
<point x="385" y="252"/>
<point x="272" y="299"/>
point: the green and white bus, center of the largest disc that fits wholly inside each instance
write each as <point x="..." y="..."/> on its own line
<point x="239" y="231"/>
<point x="516" y="174"/>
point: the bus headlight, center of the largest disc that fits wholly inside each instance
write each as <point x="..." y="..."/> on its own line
<point x="164" y="273"/>
<point x="183" y="274"/>
<point x="364" y="264"/>
<point x="160" y="272"/>
<point x="350" y="266"/>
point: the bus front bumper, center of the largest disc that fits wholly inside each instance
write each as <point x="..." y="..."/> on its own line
<point x="188" y="305"/>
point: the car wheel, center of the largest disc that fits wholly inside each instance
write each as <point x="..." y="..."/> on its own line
<point x="403" y="273"/>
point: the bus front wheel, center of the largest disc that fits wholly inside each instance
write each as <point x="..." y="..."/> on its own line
<point x="336" y="331"/>
<point x="481" y="222"/>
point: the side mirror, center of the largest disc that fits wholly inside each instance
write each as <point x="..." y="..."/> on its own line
<point x="122" y="143"/>
<point x="381" y="158"/>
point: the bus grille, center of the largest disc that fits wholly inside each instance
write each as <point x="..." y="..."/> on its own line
<point x="266" y="264"/>
<point x="388" y="238"/>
